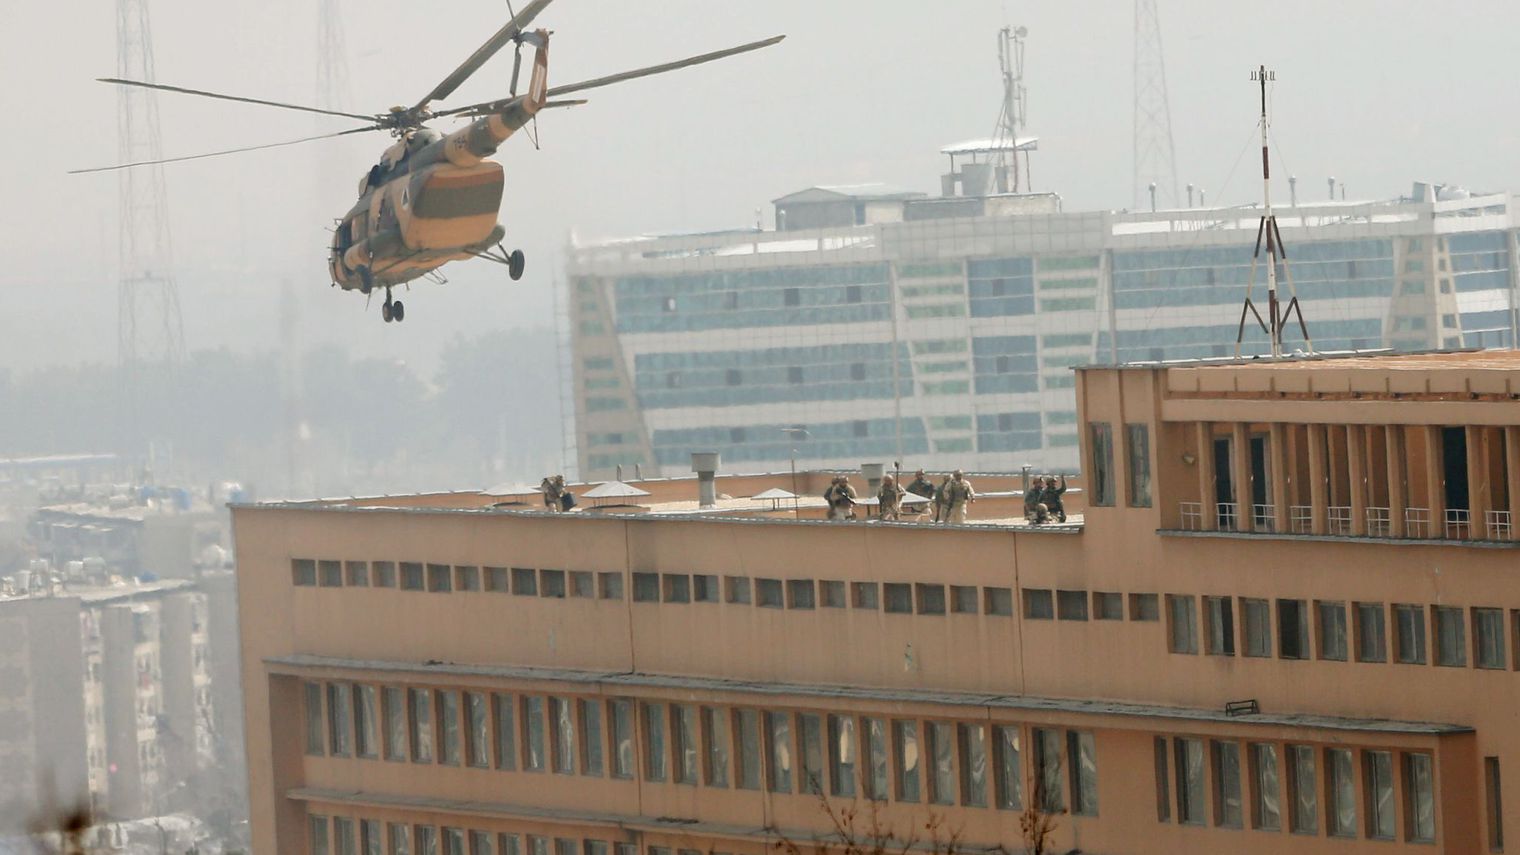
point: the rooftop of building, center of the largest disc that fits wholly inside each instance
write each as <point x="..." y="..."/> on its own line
<point x="119" y="590"/>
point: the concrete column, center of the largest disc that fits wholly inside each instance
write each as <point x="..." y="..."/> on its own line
<point x="1277" y="452"/>
<point x="1393" y="441"/>
<point x="1512" y="477"/>
<point x="1435" y="480"/>
<point x="1204" y="434"/>
<point x="1240" y="475"/>
<point x="1356" y="462"/>
<point x="1477" y="481"/>
<point x="1318" y="485"/>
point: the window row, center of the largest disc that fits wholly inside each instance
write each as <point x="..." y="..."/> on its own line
<point x="1043" y="604"/>
<point x="1334" y="630"/>
<point x="1278" y="786"/>
<point x="909" y="760"/>
<point x="445" y="578"/>
<point x="341" y="835"/>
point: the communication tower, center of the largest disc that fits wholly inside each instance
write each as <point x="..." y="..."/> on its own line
<point x="332" y="58"/>
<point x="1155" y="157"/>
<point x="150" y="334"/>
<point x="1015" y="102"/>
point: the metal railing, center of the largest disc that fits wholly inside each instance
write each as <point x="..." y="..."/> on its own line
<point x="1417" y="522"/>
<point x="1458" y="523"/>
<point x="1229" y="516"/>
<point x="1378" y="522"/>
<point x="1192" y="515"/>
<point x="1301" y="519"/>
<point x="1264" y="518"/>
<point x="1339" y="519"/>
<point x="1498" y="525"/>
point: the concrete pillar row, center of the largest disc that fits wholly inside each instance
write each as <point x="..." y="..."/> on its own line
<point x="1512" y="476"/>
<point x="1206" y="490"/>
<point x="1435" y="480"/>
<point x="1477" y="482"/>
<point x="1240" y="476"/>
<point x="1277" y="458"/>
<point x="1356" y="461"/>
<point x="1398" y="489"/>
<point x="1319" y="493"/>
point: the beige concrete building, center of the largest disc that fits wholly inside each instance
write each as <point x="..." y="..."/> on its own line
<point x="1283" y="622"/>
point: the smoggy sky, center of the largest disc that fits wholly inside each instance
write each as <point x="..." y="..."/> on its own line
<point x="1376" y="93"/>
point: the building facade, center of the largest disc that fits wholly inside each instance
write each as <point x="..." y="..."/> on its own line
<point x="942" y="331"/>
<point x="1233" y="649"/>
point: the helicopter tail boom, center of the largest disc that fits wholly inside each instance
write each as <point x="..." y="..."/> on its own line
<point x="482" y="137"/>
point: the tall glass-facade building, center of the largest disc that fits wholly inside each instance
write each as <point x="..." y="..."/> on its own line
<point x="941" y="332"/>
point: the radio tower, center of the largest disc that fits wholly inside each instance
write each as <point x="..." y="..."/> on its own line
<point x="150" y="334"/>
<point x="1155" y="158"/>
<point x="332" y="58"/>
<point x="1015" y="102"/>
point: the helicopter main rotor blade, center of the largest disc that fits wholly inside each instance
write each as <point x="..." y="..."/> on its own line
<point x="483" y="53"/>
<point x="182" y="90"/>
<point x="661" y="69"/>
<point x="224" y="151"/>
<point x="485" y="108"/>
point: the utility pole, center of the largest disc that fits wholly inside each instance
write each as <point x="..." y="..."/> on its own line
<point x="1154" y="155"/>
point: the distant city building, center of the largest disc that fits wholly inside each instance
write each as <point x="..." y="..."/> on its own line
<point x="942" y="331"/>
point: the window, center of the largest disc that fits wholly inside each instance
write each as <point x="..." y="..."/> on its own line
<point x="320" y="844"/>
<point x="1266" y="812"/>
<point x="747" y="722"/>
<point x="509" y="844"/>
<point x="800" y="594"/>
<point x="704" y="588"/>
<point x="467" y="578"/>
<point x="1163" y="780"/>
<point x="860" y="428"/>
<point x="480" y="843"/>
<point x="865" y="595"/>
<point x="941" y="748"/>
<point x="1101" y="442"/>
<point x="1488" y="638"/>
<point x="421" y="703"/>
<point x="497" y="580"/>
<point x="1341" y="786"/>
<point x="1451" y="637"/>
<point x="1038" y="604"/>
<point x="852" y="293"/>
<point x="401" y="838"/>
<point x="366" y="743"/>
<point x="371" y="837"/>
<point x="551" y="584"/>
<point x="1190" y="775"/>
<point x="736" y="589"/>
<point x="655" y="761"/>
<point x="1303" y="797"/>
<point x="440" y="578"/>
<point x="610" y="585"/>
<point x="676" y="588"/>
<point x="1332" y="630"/>
<point x="1493" y="799"/>
<point x="1258" y="620"/>
<point x="316" y="724"/>
<point x="810" y="732"/>
<point x="683" y="721"/>
<point x="1182" y="623"/>
<point x="1082" y="756"/>
<point x="331" y="573"/>
<point x="393" y="707"/>
<point x="357" y="573"/>
<point x="1377" y="767"/>
<point x="1410" y="626"/>
<point x="591" y="737"/>
<point x="384" y="574"/>
<point x="453" y="841"/>
<point x="1108" y="606"/>
<point x="506" y="731"/>
<point x="716" y="741"/>
<point x="646" y="587"/>
<point x="448" y="728"/>
<point x="1219" y="626"/>
<point x="791" y="297"/>
<point x="906" y="756"/>
<point x="875" y="775"/>
<point x="339" y="719"/>
<point x="1071" y="605"/>
<point x="778" y="741"/>
<point x="733" y="377"/>
<point x="534" y="754"/>
<point x="899" y="598"/>
<point x="768" y="594"/>
<point x="1292" y="629"/>
<point x="582" y="584"/>
<point x="524" y="582"/>
<point x="1049" y="793"/>
<point x="1225" y="757"/>
<point x="411" y="576"/>
<point x="1008" y="776"/>
<point x="931" y="598"/>
<point x="621" y="713"/>
<point x="562" y="737"/>
<point x="857" y="371"/>
<point x="794" y="374"/>
<point x="1371" y="634"/>
<point x="998" y="601"/>
<point x="963" y="599"/>
<point x="1419" y="799"/>
<point x="1137" y="453"/>
<point x="842" y="747"/>
<point x="1144" y="607"/>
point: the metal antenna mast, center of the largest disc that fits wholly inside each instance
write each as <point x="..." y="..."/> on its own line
<point x="150" y="333"/>
<point x="332" y="58"/>
<point x="1155" y="156"/>
<point x="1015" y="102"/>
<point x="1276" y="252"/>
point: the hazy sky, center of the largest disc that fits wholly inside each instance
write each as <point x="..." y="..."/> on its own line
<point x="1376" y="93"/>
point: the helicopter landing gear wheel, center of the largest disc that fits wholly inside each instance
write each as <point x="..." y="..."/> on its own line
<point x="386" y="312"/>
<point x="398" y="311"/>
<point x="515" y="263"/>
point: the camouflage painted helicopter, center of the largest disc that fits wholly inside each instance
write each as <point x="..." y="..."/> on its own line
<point x="434" y="198"/>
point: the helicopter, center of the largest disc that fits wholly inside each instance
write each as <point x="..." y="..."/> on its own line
<point x="432" y="197"/>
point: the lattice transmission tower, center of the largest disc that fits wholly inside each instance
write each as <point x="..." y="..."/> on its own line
<point x="1155" y="157"/>
<point x="332" y="58"/>
<point x="150" y="334"/>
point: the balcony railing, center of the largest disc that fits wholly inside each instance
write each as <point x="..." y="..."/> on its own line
<point x="1458" y="523"/>
<point x="1498" y="524"/>
<point x="1263" y="518"/>
<point x="1378" y="524"/>
<point x="1301" y="519"/>
<point x="1229" y="518"/>
<point x="1417" y="522"/>
<point x="1340" y="519"/>
<point x="1192" y="516"/>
